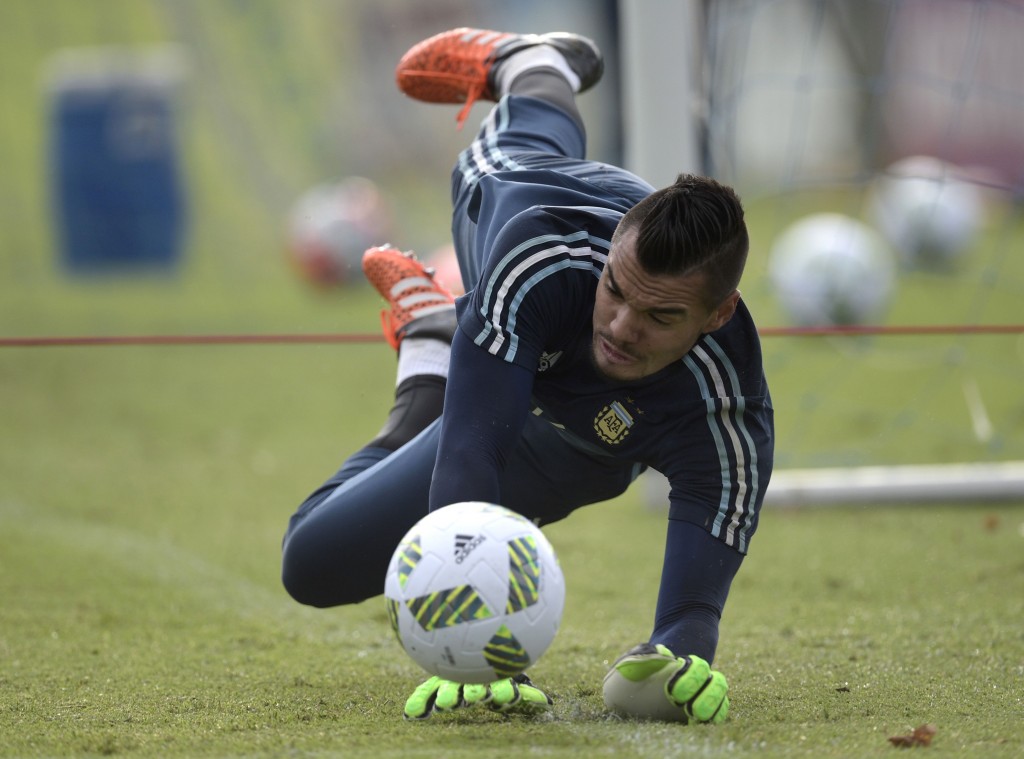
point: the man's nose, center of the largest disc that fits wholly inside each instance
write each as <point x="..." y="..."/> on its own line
<point x="625" y="324"/>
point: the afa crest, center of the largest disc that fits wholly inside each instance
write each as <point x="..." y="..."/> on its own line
<point x="612" y="423"/>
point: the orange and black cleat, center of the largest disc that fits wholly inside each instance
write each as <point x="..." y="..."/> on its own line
<point x="416" y="301"/>
<point x="457" y="66"/>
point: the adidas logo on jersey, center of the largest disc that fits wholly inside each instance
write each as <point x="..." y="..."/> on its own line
<point x="464" y="545"/>
<point x="547" y="360"/>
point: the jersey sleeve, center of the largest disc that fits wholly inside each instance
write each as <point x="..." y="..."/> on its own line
<point x="538" y="279"/>
<point x="486" y="404"/>
<point x="719" y="470"/>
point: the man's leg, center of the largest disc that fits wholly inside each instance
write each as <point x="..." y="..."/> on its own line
<point x="339" y="543"/>
<point x="340" y="539"/>
<point x="533" y="135"/>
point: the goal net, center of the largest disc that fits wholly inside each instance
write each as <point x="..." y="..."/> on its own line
<point x="879" y="151"/>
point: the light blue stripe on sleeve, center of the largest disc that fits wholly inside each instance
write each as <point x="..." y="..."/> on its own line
<point x="723" y="456"/>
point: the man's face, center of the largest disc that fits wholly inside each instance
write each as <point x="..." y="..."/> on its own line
<point x="644" y="322"/>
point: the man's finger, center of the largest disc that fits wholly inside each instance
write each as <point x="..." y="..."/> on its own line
<point x="712" y="703"/>
<point x="689" y="680"/>
<point x="421" y="702"/>
<point x="449" y="696"/>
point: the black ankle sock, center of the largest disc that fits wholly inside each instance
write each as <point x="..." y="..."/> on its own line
<point x="418" y="402"/>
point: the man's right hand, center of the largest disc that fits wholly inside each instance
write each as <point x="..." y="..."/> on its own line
<point x="440" y="695"/>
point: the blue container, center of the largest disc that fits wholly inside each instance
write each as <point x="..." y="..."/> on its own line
<point x="118" y="197"/>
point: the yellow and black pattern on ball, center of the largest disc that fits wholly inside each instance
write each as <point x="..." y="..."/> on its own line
<point x="393" y="605"/>
<point x="523" y="573"/>
<point x="446" y="608"/>
<point x="408" y="559"/>
<point x="505" y="654"/>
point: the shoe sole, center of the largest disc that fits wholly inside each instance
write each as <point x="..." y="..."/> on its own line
<point x="430" y="72"/>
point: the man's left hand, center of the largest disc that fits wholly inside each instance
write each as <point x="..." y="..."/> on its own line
<point x="650" y="682"/>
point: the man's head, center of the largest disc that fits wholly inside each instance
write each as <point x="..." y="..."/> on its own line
<point x="671" y="276"/>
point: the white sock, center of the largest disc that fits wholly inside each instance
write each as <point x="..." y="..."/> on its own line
<point x="422" y="355"/>
<point x="537" y="56"/>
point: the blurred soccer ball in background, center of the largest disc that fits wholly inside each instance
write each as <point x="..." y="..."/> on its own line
<point x="927" y="211"/>
<point x="830" y="269"/>
<point x="474" y="593"/>
<point x="446" y="268"/>
<point x="331" y="225"/>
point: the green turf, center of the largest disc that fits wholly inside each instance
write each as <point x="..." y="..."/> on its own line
<point x="144" y="490"/>
<point x="142" y="613"/>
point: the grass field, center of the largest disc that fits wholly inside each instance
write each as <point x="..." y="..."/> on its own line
<point x="144" y="493"/>
<point x="144" y="490"/>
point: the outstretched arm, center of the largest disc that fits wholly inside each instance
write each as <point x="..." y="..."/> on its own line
<point x="696" y="575"/>
<point x="486" y="404"/>
<point x="670" y="678"/>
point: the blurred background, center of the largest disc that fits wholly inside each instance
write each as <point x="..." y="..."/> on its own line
<point x="218" y="166"/>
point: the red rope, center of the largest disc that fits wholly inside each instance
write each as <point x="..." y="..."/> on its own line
<point x="907" y="329"/>
<point x="294" y="339"/>
<point x="45" y="342"/>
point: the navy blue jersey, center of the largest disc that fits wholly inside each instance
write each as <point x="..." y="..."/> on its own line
<point x="527" y="421"/>
<point x="704" y="422"/>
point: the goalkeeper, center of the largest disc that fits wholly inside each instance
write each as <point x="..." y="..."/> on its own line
<point x="602" y="333"/>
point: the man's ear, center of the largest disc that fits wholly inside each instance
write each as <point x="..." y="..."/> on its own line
<point x="718" y="318"/>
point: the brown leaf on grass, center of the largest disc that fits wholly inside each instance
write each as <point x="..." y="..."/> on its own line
<point x="922" y="736"/>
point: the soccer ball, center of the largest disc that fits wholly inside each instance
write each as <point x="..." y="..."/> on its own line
<point x="830" y="269"/>
<point x="474" y="593"/>
<point x="331" y="225"/>
<point x="927" y="212"/>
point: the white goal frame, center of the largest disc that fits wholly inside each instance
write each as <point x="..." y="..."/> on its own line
<point x="663" y="122"/>
<point x="882" y="485"/>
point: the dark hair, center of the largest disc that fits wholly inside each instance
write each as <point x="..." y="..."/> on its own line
<point x="694" y="225"/>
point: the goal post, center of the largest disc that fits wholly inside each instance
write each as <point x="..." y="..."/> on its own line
<point x="805" y="106"/>
<point x="921" y="483"/>
<point x="661" y="46"/>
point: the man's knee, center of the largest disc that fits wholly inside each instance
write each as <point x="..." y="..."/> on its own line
<point x="323" y="579"/>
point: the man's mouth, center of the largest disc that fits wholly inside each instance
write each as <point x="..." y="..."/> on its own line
<point x="612" y="353"/>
